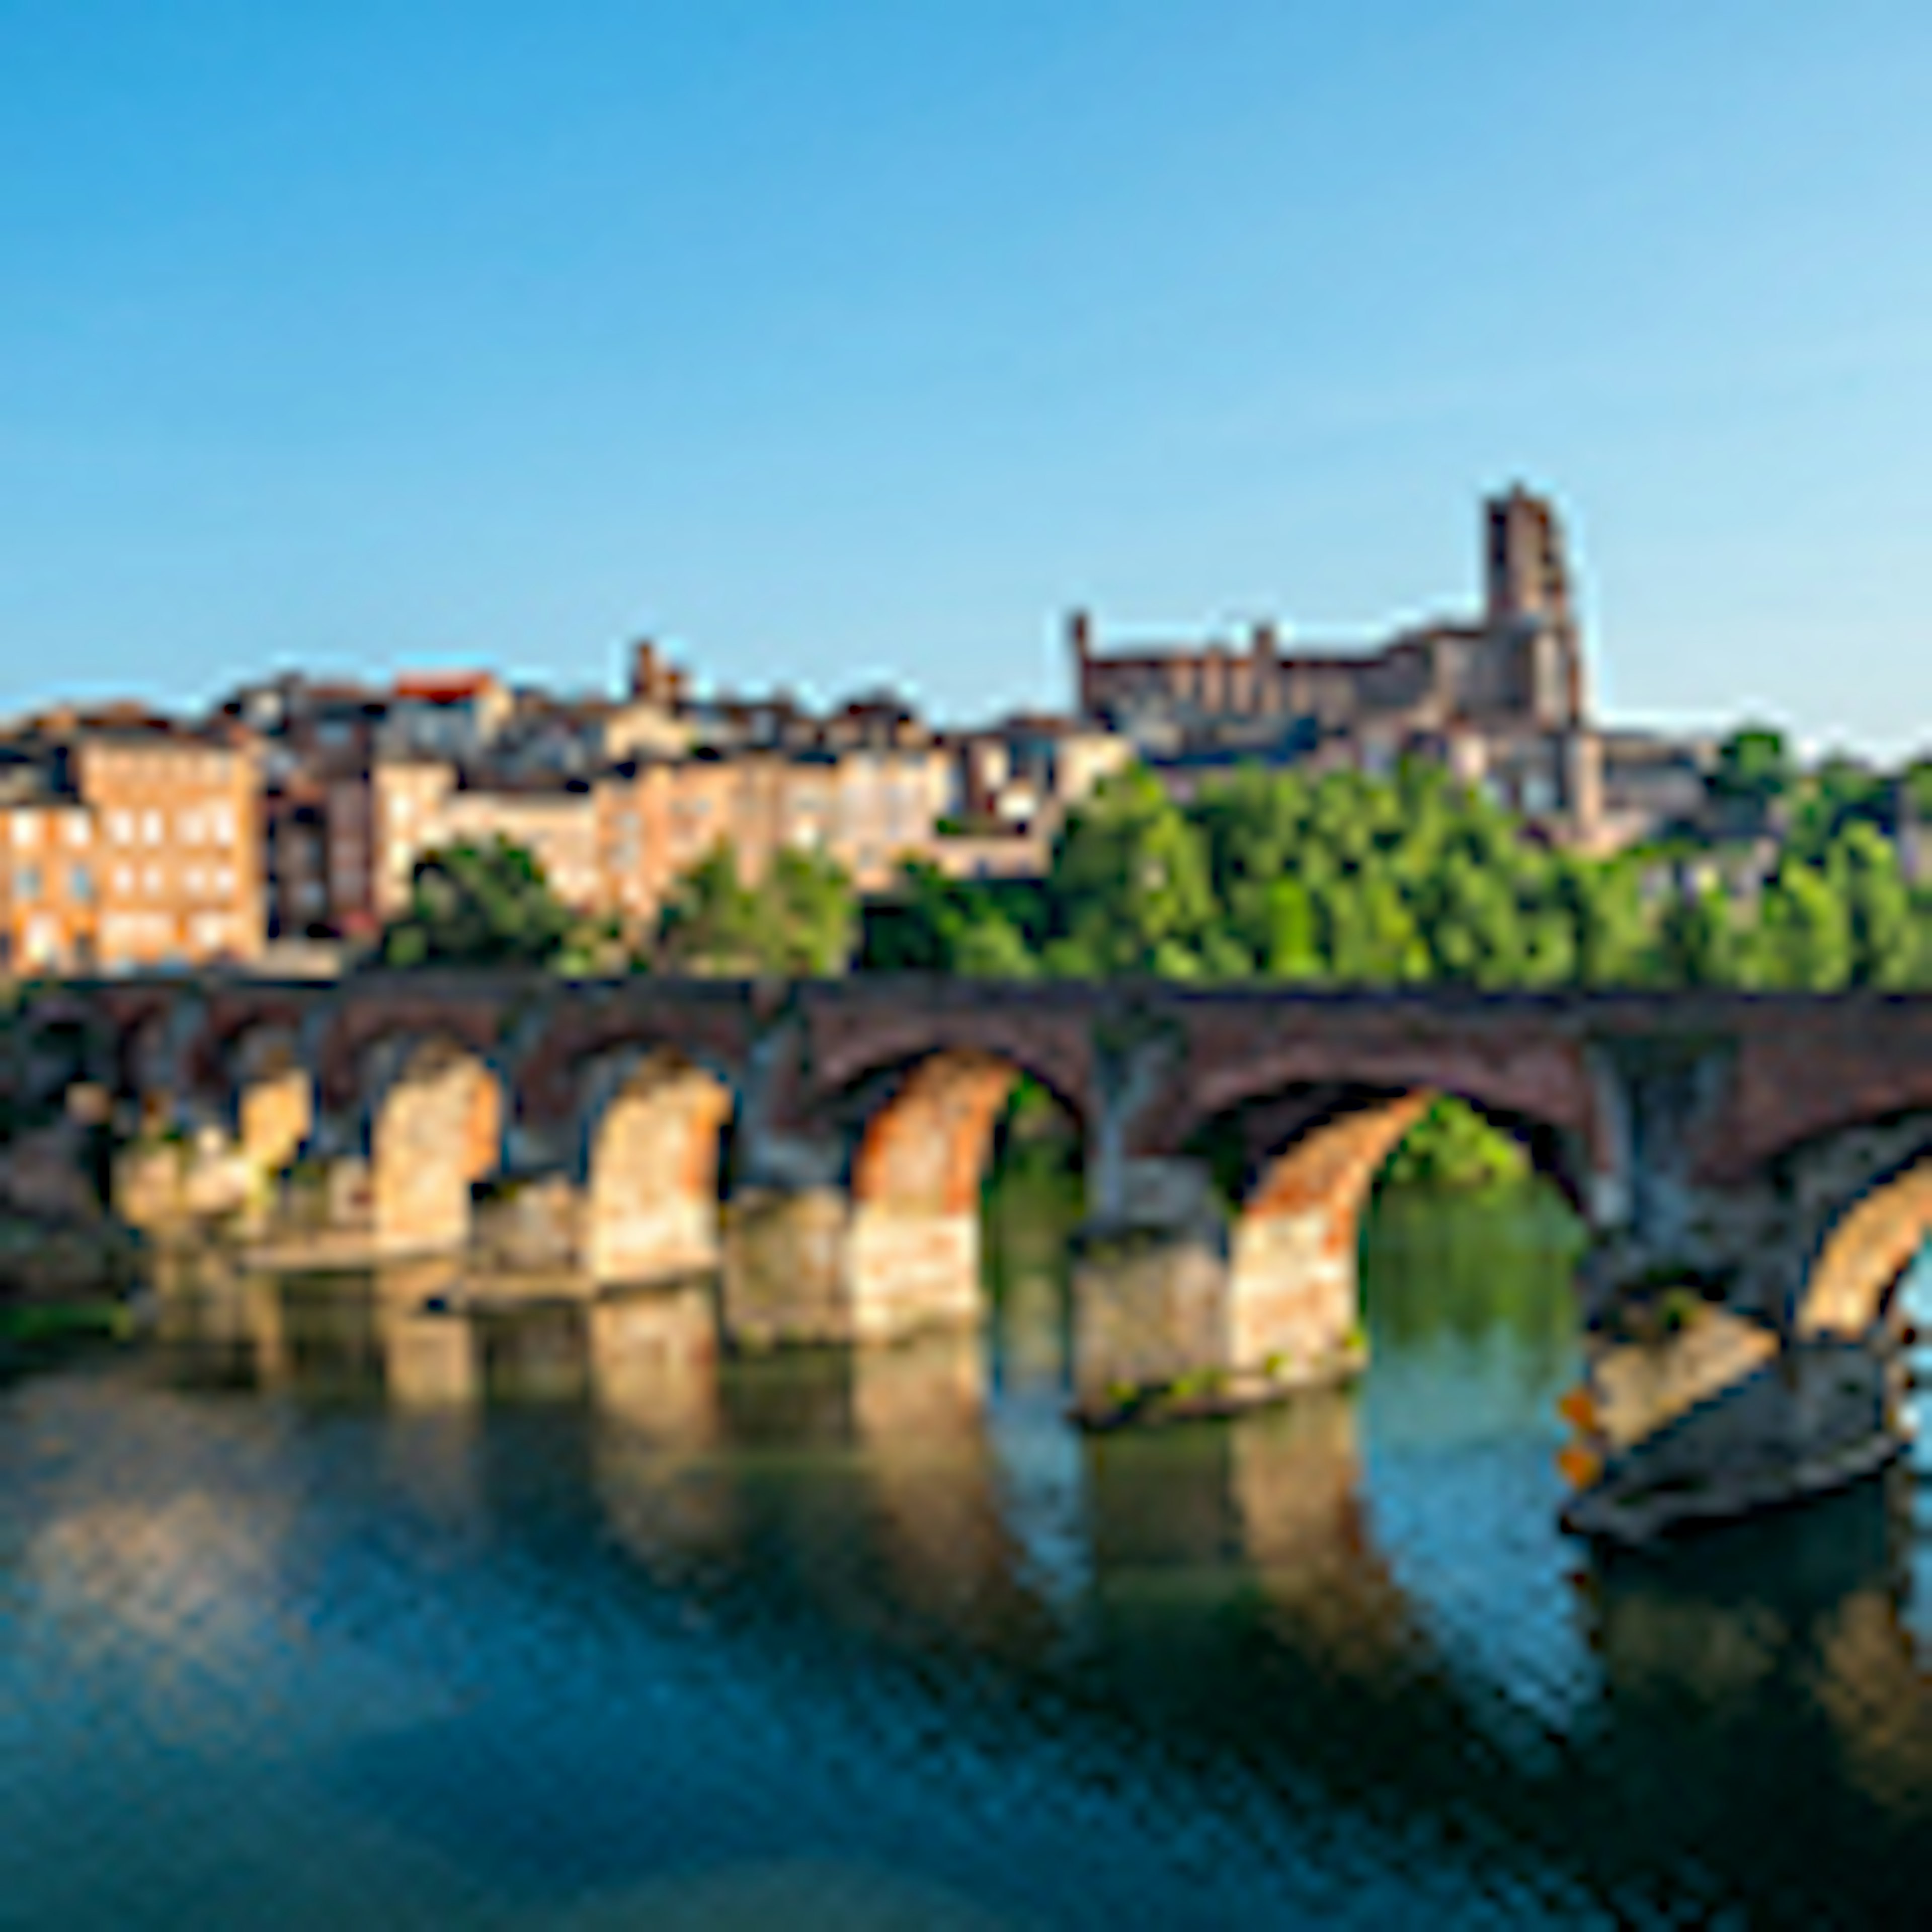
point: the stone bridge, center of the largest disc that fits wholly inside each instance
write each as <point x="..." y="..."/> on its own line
<point x="1756" y="1171"/>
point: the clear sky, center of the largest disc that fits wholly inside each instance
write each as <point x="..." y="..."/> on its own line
<point x="833" y="342"/>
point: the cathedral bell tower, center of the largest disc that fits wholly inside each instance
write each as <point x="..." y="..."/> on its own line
<point x="1528" y="600"/>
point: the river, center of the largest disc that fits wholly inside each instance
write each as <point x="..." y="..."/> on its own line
<point x="305" y="1629"/>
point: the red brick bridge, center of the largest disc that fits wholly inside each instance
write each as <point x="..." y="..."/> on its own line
<point x="822" y="1144"/>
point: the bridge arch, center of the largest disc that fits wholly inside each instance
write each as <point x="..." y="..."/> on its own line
<point x="922" y="1149"/>
<point x="436" y="1117"/>
<point x="1869" y="1193"/>
<point x="654" y="1121"/>
<point x="1294" y="1292"/>
<point x="1295" y="1170"/>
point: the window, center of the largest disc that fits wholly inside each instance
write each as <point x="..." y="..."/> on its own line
<point x="26" y="832"/>
<point x="80" y="831"/>
<point x="43" y="942"/>
<point x="151" y="882"/>
<point x="121" y="828"/>
<point x="190" y="823"/>
<point x="80" y="885"/>
<point x="27" y="883"/>
<point x="151" y="829"/>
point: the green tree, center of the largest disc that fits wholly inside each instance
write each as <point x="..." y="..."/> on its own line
<point x="800" y="920"/>
<point x="1840" y="793"/>
<point x="1369" y="934"/>
<point x="1697" y="940"/>
<point x="1754" y="766"/>
<point x="1472" y="924"/>
<point x="478" y="905"/>
<point x="711" y="921"/>
<point x="1452" y="1145"/>
<point x="930" y="923"/>
<point x="1253" y="826"/>
<point x="1915" y="783"/>
<point x="1609" y="932"/>
<point x="808" y="897"/>
<point x="1802" y="940"/>
<point x="1290" y="946"/>
<point x="990" y="947"/>
<point x="1129" y="880"/>
<point x="1864" y="872"/>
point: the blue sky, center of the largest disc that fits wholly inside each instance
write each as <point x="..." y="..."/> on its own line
<point x="833" y="342"/>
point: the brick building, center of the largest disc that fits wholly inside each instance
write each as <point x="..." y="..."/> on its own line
<point x="617" y="798"/>
<point x="128" y="842"/>
<point x="1500" y="698"/>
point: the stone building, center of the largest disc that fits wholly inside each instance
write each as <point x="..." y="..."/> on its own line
<point x="128" y="841"/>
<point x="1500" y="698"/>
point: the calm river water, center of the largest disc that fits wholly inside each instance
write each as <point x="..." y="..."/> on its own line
<point x="292" y="1634"/>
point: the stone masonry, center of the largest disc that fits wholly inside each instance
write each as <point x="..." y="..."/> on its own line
<point x="1751" y="1167"/>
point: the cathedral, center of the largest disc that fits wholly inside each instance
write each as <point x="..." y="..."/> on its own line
<point x="1500" y="698"/>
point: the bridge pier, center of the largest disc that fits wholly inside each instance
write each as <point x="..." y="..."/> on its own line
<point x="785" y="1278"/>
<point x="1150" y="1318"/>
<point x="438" y="1130"/>
<point x="913" y="1252"/>
<point x="651" y="1207"/>
<point x="1749" y="1166"/>
<point x="1741" y="1347"/>
<point x="1183" y="1305"/>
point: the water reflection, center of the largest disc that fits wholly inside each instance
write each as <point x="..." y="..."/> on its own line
<point x="886" y="1612"/>
<point x="1793" y="1625"/>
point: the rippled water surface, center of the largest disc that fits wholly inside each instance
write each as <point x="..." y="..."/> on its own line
<point x="312" y="1626"/>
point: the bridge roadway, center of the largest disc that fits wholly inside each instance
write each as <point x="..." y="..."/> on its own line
<point x="1755" y="1170"/>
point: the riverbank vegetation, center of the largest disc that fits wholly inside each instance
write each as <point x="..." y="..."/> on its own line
<point x="34" y="1334"/>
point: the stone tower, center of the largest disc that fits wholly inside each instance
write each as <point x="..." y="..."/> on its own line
<point x="1080" y="650"/>
<point x="1529" y="603"/>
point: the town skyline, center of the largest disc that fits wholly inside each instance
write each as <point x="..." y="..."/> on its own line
<point x="860" y="347"/>
<point x="706" y="677"/>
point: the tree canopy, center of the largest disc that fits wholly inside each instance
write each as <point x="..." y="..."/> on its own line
<point x="1336" y="879"/>
<point x="1343" y="880"/>
<point x="800" y="920"/>
<point x="479" y="905"/>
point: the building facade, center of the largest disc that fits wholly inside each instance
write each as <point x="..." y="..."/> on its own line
<point x="1500" y="699"/>
<point x="129" y="847"/>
